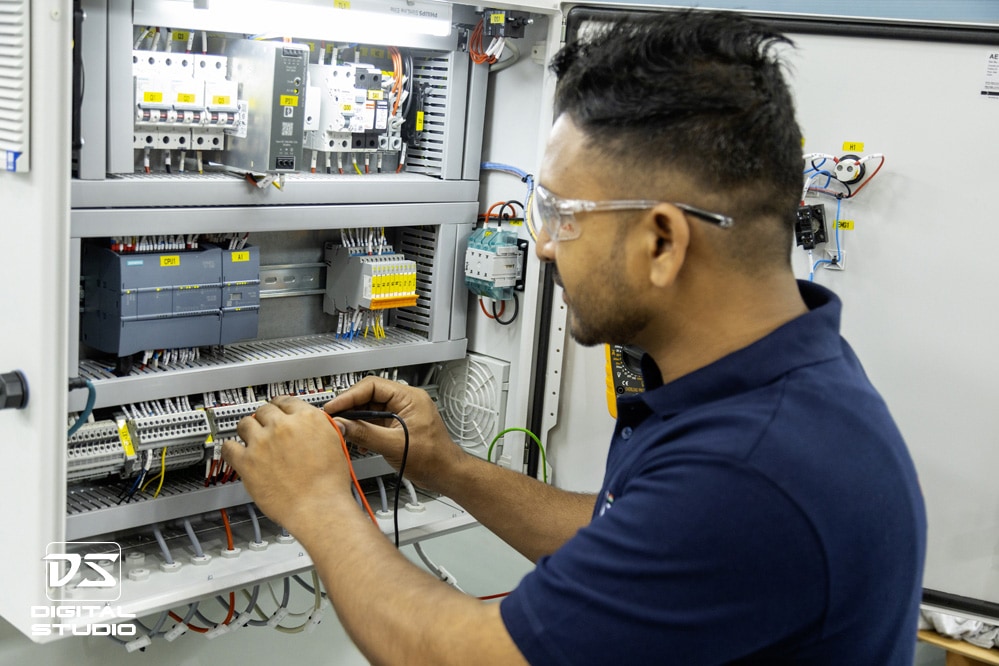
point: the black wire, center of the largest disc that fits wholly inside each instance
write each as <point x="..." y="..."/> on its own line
<point x="513" y="212"/>
<point x="516" y="310"/>
<point x="359" y="414"/>
<point x="309" y="588"/>
<point x="402" y="469"/>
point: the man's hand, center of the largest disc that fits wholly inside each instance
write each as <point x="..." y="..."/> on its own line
<point x="433" y="457"/>
<point x="293" y="464"/>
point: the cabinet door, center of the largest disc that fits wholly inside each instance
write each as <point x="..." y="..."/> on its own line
<point x="34" y="240"/>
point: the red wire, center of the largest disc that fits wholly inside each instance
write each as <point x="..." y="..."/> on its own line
<point x="493" y="596"/>
<point x="869" y="179"/>
<point x="357" y="484"/>
<point x="483" y="308"/>
<point x="192" y="627"/>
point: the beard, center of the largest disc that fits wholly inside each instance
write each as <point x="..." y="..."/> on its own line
<point x="600" y="312"/>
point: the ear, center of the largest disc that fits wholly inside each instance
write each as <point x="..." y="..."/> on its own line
<point x="669" y="237"/>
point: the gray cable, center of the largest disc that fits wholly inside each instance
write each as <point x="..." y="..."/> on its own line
<point x="382" y="494"/>
<point x="412" y="490"/>
<point x="434" y="569"/>
<point x="162" y="542"/>
<point x="256" y="524"/>
<point x="194" y="538"/>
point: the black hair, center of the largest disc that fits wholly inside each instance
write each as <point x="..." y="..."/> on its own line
<point x="701" y="94"/>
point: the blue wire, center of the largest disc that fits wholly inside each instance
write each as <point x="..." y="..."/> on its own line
<point x="85" y="414"/>
<point x="513" y="171"/>
<point x="811" y="275"/>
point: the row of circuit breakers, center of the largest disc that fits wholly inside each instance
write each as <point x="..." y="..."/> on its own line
<point x="270" y="102"/>
<point x="136" y="301"/>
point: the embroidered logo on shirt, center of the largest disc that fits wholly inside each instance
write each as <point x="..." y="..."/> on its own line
<point x="608" y="500"/>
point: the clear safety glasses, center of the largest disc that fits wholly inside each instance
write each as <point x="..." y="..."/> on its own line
<point x="557" y="216"/>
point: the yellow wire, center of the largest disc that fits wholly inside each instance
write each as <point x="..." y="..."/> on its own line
<point x="161" y="476"/>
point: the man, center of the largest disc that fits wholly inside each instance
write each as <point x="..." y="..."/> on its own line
<point x="759" y="504"/>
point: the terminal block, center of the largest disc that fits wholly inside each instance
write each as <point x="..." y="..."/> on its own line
<point x="94" y="451"/>
<point x="153" y="432"/>
<point x="178" y="456"/>
<point x="494" y="263"/>
<point x="372" y="281"/>
<point x="318" y="399"/>
<point x="224" y="419"/>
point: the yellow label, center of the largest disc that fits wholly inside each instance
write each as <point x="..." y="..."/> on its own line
<point x="180" y="35"/>
<point x="126" y="440"/>
<point x="802" y="142"/>
<point x="376" y="94"/>
<point x="187" y="98"/>
<point x="497" y="18"/>
<point x="515" y="222"/>
<point x="220" y="100"/>
<point x="845" y="224"/>
<point x="853" y="146"/>
<point x="487" y="233"/>
<point x="170" y="260"/>
<point x="154" y="97"/>
<point x="376" y="53"/>
<point x="240" y="256"/>
<point x="341" y="4"/>
<point x="289" y="100"/>
<point x="346" y="108"/>
<point x="419" y="121"/>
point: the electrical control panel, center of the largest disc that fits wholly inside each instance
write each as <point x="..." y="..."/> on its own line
<point x="255" y="211"/>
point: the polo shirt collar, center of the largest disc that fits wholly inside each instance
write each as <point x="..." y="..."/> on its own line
<point x="809" y="339"/>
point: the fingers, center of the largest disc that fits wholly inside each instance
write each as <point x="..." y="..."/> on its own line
<point x="367" y="435"/>
<point x="232" y="453"/>
<point x="371" y="392"/>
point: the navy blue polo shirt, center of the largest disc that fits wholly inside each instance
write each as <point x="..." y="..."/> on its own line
<point x="762" y="509"/>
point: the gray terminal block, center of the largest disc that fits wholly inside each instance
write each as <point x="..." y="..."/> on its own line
<point x="240" y="294"/>
<point x="272" y="81"/>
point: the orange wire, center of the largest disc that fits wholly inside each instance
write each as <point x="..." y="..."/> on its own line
<point x="869" y="178"/>
<point x="192" y="627"/>
<point x="232" y="607"/>
<point x="483" y="308"/>
<point x="357" y="484"/>
<point x="228" y="529"/>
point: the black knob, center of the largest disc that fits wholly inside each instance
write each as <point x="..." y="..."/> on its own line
<point x="13" y="390"/>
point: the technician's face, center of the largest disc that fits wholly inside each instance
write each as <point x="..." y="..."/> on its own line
<point x="592" y="268"/>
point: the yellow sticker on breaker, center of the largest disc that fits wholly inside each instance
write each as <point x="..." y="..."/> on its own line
<point x="289" y="100"/>
<point x="845" y="224"/>
<point x="497" y="17"/>
<point x="346" y="108"/>
<point x="341" y="4"/>
<point x="187" y="98"/>
<point x="152" y="97"/>
<point x="376" y="94"/>
<point x="220" y="100"/>
<point x="853" y="146"/>
<point x="170" y="260"/>
<point x="180" y="35"/>
<point x="419" y="121"/>
<point x="126" y="440"/>
<point x="240" y="256"/>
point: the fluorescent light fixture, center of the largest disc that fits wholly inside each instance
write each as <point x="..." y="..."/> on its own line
<point x="365" y="21"/>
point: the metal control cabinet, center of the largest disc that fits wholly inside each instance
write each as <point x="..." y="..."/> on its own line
<point x="96" y="300"/>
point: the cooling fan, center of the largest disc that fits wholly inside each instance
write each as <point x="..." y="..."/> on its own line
<point x="472" y="394"/>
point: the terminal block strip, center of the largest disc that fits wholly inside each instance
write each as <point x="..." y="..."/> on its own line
<point x="94" y="452"/>
<point x="148" y="432"/>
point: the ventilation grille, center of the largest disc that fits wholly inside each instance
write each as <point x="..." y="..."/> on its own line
<point x="472" y="395"/>
<point x="433" y="75"/>
<point x="14" y="41"/>
<point x="419" y="244"/>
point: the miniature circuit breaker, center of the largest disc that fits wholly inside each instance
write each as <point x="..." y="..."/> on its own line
<point x="494" y="263"/>
<point x="370" y="281"/>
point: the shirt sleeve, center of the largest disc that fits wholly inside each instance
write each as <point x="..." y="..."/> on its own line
<point x="699" y="560"/>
